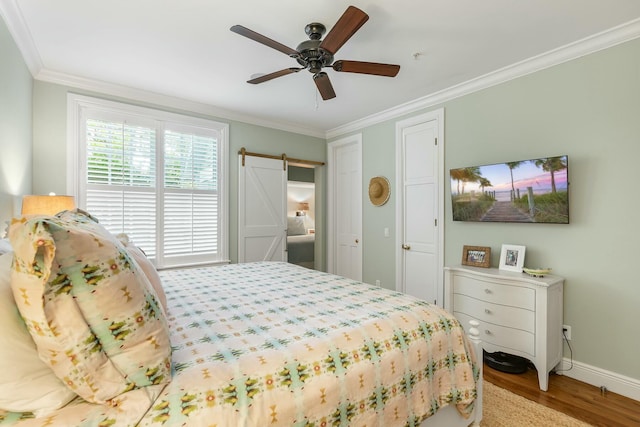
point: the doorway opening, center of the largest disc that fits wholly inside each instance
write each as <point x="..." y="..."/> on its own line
<point x="301" y="216"/>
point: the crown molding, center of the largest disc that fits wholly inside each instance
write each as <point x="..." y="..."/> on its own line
<point x="167" y="101"/>
<point x="11" y="15"/>
<point x="571" y="51"/>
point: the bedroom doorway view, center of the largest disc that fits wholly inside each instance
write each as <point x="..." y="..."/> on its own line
<point x="301" y="217"/>
<point x="277" y="211"/>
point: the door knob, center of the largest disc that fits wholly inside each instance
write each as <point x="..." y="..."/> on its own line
<point x="406" y="247"/>
<point x="357" y="241"/>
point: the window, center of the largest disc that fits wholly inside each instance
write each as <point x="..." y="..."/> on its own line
<point x="157" y="176"/>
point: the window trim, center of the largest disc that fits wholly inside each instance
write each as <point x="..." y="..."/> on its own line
<point x="76" y="168"/>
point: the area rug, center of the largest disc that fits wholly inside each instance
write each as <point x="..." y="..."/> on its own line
<point x="502" y="408"/>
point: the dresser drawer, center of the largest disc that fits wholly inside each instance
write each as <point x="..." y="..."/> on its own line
<point x="504" y="337"/>
<point x="496" y="293"/>
<point x="502" y="315"/>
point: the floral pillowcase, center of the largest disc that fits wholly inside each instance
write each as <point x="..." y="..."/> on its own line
<point x="93" y="315"/>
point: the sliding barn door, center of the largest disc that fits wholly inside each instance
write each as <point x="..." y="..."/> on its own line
<point x="262" y="209"/>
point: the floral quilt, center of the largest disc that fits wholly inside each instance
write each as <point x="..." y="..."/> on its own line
<point x="274" y="344"/>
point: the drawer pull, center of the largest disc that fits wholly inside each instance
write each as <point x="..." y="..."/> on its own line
<point x="487" y="291"/>
<point x="488" y="332"/>
<point x="486" y="310"/>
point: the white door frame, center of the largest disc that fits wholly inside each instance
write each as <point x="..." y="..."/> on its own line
<point x="438" y="116"/>
<point x="332" y="148"/>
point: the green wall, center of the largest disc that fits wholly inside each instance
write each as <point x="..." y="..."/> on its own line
<point x="300" y="174"/>
<point x="378" y="252"/>
<point x="15" y="127"/>
<point x="275" y="142"/>
<point x="50" y="138"/>
<point x="589" y="109"/>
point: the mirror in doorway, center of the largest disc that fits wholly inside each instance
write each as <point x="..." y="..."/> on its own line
<point x="301" y="217"/>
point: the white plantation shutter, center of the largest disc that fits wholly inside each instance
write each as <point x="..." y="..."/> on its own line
<point x="126" y="211"/>
<point x="121" y="179"/>
<point x="156" y="176"/>
<point x="190" y="223"/>
<point x="190" y="194"/>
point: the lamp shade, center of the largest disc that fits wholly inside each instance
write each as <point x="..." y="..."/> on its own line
<point x="303" y="206"/>
<point x="46" y="205"/>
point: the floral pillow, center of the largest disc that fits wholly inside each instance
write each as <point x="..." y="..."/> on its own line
<point x="147" y="267"/>
<point x="87" y="306"/>
<point x="26" y="383"/>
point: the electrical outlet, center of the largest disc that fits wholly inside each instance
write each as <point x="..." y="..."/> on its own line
<point x="566" y="332"/>
<point x="378" y="283"/>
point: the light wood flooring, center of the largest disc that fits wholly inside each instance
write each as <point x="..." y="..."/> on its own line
<point x="575" y="398"/>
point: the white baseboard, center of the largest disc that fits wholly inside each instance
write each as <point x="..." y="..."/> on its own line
<point x="616" y="383"/>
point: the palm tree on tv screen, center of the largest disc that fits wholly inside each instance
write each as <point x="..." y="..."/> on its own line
<point x="512" y="166"/>
<point x="551" y="165"/>
<point x="484" y="182"/>
<point x="464" y="175"/>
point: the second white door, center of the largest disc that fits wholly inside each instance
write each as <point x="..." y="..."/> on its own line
<point x="345" y="207"/>
<point x="418" y="209"/>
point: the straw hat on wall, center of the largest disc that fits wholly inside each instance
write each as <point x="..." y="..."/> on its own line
<point x="379" y="190"/>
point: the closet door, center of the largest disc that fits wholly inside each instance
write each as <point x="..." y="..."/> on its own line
<point x="262" y="209"/>
<point x="345" y="210"/>
<point x="419" y="207"/>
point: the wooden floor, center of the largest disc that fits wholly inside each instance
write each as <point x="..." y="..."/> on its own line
<point x="577" y="399"/>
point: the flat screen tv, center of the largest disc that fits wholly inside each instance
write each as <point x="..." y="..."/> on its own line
<point x="534" y="190"/>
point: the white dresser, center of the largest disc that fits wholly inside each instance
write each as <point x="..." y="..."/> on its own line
<point x="518" y="314"/>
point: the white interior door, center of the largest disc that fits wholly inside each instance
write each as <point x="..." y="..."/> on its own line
<point x="262" y="209"/>
<point x="419" y="208"/>
<point x="345" y="209"/>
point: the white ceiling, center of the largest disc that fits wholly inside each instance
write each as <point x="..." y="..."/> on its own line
<point x="184" y="49"/>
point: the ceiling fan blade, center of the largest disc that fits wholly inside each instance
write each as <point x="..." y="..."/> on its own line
<point x="387" y="70"/>
<point x="324" y="85"/>
<point x="243" y="31"/>
<point x="350" y="21"/>
<point x="274" y="75"/>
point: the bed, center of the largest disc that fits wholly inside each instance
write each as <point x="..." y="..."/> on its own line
<point x="300" y="242"/>
<point x="255" y="344"/>
<point x="300" y="250"/>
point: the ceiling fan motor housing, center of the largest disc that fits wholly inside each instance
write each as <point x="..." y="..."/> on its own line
<point x="311" y="56"/>
<point x="315" y="30"/>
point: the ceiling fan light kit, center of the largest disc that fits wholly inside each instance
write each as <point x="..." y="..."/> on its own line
<point x="317" y="53"/>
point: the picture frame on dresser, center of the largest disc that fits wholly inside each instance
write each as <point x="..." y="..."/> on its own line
<point x="512" y="258"/>
<point x="476" y="256"/>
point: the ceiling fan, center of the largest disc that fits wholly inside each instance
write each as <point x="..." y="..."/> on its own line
<point x="315" y="54"/>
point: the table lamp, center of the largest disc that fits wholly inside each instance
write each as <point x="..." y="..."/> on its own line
<point x="303" y="207"/>
<point x="46" y="205"/>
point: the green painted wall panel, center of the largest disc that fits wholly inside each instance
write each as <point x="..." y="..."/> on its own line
<point x="589" y="109"/>
<point x="16" y="87"/>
